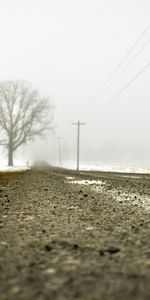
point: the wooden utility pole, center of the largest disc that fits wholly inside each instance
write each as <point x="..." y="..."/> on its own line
<point x="78" y="124"/>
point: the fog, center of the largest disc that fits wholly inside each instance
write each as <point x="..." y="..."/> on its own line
<point x="68" y="49"/>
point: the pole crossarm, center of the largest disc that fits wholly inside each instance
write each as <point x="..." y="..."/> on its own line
<point x="78" y="124"/>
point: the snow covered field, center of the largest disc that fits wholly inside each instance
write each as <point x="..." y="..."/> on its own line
<point x="14" y="169"/>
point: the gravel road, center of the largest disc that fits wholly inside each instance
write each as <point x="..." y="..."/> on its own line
<point x="66" y="235"/>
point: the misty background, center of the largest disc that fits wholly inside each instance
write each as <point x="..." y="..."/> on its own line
<point x="67" y="49"/>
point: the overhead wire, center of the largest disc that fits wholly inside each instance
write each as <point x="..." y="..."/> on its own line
<point x="104" y="85"/>
<point x="112" y="99"/>
<point x="128" y="65"/>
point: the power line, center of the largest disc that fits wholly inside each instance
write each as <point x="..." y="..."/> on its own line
<point x="120" y="91"/>
<point x="128" y="65"/>
<point x="99" y="92"/>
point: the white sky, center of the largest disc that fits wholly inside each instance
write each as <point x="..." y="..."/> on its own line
<point x="67" y="49"/>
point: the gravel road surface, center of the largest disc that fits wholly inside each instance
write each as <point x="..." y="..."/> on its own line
<point x="66" y="235"/>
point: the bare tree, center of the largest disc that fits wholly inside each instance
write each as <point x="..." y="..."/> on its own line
<point x="24" y="114"/>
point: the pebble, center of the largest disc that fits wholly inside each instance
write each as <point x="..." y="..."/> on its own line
<point x="90" y="228"/>
<point x="112" y="249"/>
<point x="76" y="247"/>
<point x="3" y="243"/>
<point x="49" y="271"/>
<point x="49" y="247"/>
<point x="15" y="290"/>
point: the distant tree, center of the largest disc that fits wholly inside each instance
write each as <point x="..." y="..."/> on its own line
<point x="24" y="115"/>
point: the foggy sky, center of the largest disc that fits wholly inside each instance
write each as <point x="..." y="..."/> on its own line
<point x="67" y="49"/>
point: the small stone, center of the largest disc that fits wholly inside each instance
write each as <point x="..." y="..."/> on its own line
<point x="85" y="195"/>
<point x="132" y="276"/>
<point x="76" y="246"/>
<point x="112" y="250"/>
<point x="90" y="228"/>
<point x="15" y="290"/>
<point x="48" y="247"/>
<point x="49" y="271"/>
<point x="3" y="243"/>
<point x="32" y="264"/>
<point x="147" y="263"/>
<point x="102" y="252"/>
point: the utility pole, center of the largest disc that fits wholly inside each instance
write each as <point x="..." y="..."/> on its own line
<point x="78" y="124"/>
<point x="59" y="150"/>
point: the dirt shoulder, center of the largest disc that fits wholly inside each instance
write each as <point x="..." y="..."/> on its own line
<point x="81" y="236"/>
